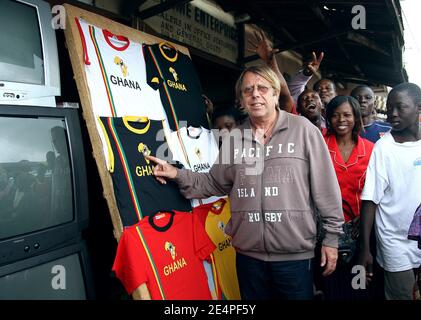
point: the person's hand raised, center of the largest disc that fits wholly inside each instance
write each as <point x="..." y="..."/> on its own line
<point x="162" y="170"/>
<point x="313" y="66"/>
<point x="262" y="46"/>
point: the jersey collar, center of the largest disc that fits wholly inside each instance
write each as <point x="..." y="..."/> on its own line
<point x="128" y="119"/>
<point x="165" y="52"/>
<point x="110" y="36"/>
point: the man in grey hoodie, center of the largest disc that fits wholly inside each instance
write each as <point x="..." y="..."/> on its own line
<point x="277" y="172"/>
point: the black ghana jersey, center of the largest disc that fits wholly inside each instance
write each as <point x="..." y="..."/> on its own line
<point x="179" y="85"/>
<point x="137" y="192"/>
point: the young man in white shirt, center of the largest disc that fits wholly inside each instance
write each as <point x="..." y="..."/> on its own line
<point x="392" y="193"/>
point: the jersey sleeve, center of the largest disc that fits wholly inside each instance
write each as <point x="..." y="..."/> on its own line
<point x="129" y="264"/>
<point x="106" y="144"/>
<point x="376" y="181"/>
<point x="203" y="245"/>
<point x="153" y="78"/>
<point x="196" y="78"/>
<point x="83" y="33"/>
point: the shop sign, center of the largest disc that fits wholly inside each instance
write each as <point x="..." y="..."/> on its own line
<point x="200" y="24"/>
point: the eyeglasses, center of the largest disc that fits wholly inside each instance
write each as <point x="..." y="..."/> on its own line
<point x="248" y="91"/>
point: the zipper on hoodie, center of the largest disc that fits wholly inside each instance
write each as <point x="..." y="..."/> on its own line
<point x="262" y="211"/>
<point x="262" y="198"/>
<point x="262" y="195"/>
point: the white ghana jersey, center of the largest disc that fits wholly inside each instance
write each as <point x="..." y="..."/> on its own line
<point x="197" y="150"/>
<point x="116" y="73"/>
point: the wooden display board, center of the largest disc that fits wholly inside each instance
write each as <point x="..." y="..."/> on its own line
<point x="74" y="46"/>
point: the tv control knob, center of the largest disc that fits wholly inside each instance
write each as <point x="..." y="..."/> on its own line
<point x="26" y="249"/>
<point x="36" y="246"/>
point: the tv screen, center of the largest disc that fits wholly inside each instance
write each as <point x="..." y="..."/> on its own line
<point x="29" y="68"/>
<point x="62" y="274"/>
<point x="35" y="175"/>
<point x="21" y="60"/>
<point x="43" y="201"/>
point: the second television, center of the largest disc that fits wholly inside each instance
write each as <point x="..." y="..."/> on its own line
<point x="62" y="274"/>
<point x="43" y="186"/>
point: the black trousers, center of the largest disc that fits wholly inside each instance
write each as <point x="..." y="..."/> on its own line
<point x="286" y="280"/>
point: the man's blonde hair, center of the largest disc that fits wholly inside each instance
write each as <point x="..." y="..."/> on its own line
<point x="263" y="71"/>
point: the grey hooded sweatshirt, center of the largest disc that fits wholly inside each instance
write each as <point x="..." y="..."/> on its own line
<point x="274" y="190"/>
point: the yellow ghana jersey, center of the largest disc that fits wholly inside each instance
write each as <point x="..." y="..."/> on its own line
<point x="179" y="85"/>
<point x="215" y="216"/>
<point x="136" y="189"/>
<point x="197" y="150"/>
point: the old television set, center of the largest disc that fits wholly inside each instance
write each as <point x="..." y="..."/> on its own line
<point x="29" y="66"/>
<point x="43" y="185"/>
<point x="62" y="274"/>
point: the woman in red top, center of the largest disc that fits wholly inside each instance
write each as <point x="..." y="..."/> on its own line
<point x="350" y="155"/>
<point x="349" y="152"/>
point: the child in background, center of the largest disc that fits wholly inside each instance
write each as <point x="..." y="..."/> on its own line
<point x="392" y="193"/>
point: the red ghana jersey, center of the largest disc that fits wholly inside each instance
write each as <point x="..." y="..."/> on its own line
<point x="165" y="251"/>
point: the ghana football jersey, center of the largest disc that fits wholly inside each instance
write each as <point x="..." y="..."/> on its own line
<point x="115" y="70"/>
<point x="215" y="216"/>
<point x="166" y="251"/>
<point x="179" y="85"/>
<point x="136" y="189"/>
<point x="116" y="73"/>
<point x="197" y="150"/>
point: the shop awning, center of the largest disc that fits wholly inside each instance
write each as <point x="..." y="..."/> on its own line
<point x="372" y="55"/>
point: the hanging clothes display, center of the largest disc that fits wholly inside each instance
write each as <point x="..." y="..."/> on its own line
<point x="115" y="70"/>
<point x="138" y="93"/>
